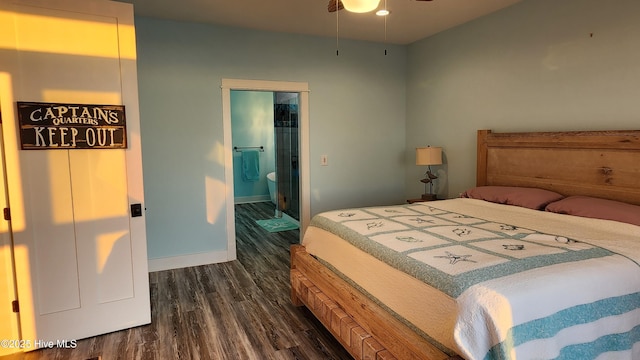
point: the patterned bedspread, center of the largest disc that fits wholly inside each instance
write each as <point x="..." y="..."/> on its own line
<point x="522" y="293"/>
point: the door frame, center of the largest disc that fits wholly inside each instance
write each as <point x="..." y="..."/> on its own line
<point x="8" y="285"/>
<point x="305" y="193"/>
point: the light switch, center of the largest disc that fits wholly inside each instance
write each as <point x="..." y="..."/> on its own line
<point x="324" y="160"/>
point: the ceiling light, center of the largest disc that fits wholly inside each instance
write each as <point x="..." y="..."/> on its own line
<point x="382" y="12"/>
<point x="360" y="6"/>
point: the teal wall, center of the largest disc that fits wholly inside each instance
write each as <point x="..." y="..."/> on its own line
<point x="357" y="118"/>
<point x="252" y="125"/>
<point x="539" y="65"/>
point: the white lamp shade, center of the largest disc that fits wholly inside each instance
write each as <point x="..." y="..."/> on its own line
<point x="429" y="155"/>
<point x="360" y="6"/>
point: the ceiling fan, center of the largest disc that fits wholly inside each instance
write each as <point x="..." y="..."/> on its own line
<point x="355" y="5"/>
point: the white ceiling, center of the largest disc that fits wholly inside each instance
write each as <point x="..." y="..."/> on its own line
<point x="409" y="20"/>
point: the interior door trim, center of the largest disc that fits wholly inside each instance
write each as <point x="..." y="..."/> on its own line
<point x="305" y="186"/>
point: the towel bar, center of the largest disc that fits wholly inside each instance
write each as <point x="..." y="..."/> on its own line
<point x="240" y="148"/>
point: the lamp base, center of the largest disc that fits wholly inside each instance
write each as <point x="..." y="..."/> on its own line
<point x="429" y="197"/>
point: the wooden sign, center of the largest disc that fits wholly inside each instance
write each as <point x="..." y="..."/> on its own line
<point x="46" y="126"/>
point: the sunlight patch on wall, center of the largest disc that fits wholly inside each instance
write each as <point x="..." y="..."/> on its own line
<point x="217" y="153"/>
<point x="215" y="197"/>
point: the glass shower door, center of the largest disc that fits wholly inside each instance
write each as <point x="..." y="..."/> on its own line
<point x="286" y="144"/>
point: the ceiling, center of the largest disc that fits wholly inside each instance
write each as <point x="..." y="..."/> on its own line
<point x="409" y="20"/>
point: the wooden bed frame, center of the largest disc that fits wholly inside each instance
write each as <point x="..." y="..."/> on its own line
<point x="603" y="164"/>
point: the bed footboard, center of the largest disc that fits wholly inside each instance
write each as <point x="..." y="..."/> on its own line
<point x="365" y="329"/>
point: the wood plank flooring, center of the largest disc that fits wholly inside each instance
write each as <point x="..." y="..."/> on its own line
<point x="235" y="310"/>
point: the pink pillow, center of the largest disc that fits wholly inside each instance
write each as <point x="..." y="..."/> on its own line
<point x="597" y="208"/>
<point x="532" y="198"/>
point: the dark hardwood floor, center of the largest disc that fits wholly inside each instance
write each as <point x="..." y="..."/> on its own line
<point x="235" y="310"/>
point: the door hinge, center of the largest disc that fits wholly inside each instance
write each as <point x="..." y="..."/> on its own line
<point x="7" y="214"/>
<point x="15" y="306"/>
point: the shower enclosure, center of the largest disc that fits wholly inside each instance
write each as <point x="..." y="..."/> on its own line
<point x="286" y="140"/>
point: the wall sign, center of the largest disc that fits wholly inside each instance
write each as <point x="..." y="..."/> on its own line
<point x="45" y="126"/>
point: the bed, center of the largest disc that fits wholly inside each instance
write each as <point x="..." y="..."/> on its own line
<point x="490" y="276"/>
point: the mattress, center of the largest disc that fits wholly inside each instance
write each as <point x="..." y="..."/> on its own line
<point x="488" y="281"/>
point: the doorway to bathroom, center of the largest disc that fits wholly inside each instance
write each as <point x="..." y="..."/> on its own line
<point x="282" y="155"/>
<point x="265" y="139"/>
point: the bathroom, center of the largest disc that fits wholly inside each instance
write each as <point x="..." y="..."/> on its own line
<point x="264" y="129"/>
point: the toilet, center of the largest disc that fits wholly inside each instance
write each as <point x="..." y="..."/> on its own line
<point x="271" y="184"/>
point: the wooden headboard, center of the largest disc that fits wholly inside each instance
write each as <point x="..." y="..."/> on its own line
<point x="603" y="164"/>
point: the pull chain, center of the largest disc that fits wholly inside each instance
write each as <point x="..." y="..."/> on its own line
<point x="337" y="28"/>
<point x="385" y="28"/>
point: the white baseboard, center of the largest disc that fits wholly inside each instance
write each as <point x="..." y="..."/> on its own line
<point x="182" y="261"/>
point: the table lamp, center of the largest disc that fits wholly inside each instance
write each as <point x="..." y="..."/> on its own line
<point x="428" y="156"/>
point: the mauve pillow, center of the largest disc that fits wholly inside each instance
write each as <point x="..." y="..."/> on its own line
<point x="597" y="208"/>
<point x="532" y="198"/>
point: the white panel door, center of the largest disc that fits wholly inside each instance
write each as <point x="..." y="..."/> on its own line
<point x="81" y="261"/>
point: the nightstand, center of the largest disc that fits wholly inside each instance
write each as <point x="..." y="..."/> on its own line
<point x="411" y="201"/>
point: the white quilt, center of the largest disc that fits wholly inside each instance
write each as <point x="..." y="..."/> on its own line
<point x="528" y="284"/>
